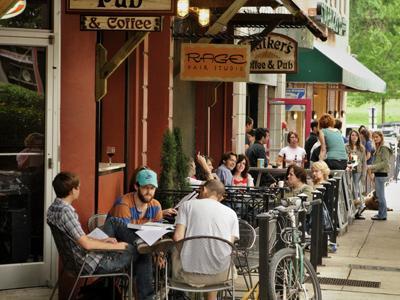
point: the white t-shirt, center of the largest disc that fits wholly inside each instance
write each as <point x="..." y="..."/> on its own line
<point x="207" y="217"/>
<point x="293" y="154"/>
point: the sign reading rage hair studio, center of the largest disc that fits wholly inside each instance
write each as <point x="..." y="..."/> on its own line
<point x="276" y="53"/>
<point x="162" y="7"/>
<point x="215" y="62"/>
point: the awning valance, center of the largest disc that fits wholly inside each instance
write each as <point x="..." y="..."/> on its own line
<point x="330" y="65"/>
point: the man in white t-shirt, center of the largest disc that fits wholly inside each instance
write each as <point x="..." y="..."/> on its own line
<point x="205" y="263"/>
<point x="292" y="154"/>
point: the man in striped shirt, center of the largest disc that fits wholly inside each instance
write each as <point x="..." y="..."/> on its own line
<point x="137" y="207"/>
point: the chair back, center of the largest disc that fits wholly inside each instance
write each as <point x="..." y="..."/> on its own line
<point x="203" y="247"/>
<point x="65" y="244"/>
<point x="201" y="242"/>
<point x="247" y="236"/>
<point x="96" y="220"/>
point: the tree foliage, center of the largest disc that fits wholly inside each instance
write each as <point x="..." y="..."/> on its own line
<point x="21" y="113"/>
<point x="375" y="39"/>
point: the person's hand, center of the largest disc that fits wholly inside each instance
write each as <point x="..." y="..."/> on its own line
<point x="110" y="240"/>
<point x="121" y="245"/>
<point x="201" y="160"/>
<point x="169" y="212"/>
<point x="161" y="260"/>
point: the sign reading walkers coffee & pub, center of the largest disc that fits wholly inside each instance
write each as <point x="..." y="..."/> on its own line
<point x="276" y="53"/>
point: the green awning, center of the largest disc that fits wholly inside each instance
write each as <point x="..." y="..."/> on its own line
<point x="329" y="65"/>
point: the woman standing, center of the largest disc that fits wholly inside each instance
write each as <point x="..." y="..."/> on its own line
<point x="380" y="168"/>
<point x="332" y="144"/>
<point x="292" y="154"/>
<point x="356" y="152"/>
<point x="241" y="177"/>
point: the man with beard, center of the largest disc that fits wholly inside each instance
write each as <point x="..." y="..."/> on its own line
<point x="137" y="207"/>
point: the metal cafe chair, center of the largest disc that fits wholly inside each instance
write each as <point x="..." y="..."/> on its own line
<point x="96" y="220"/>
<point x="227" y="285"/>
<point x="73" y="267"/>
<point x="246" y="263"/>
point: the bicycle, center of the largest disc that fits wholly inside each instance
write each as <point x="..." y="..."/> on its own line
<point x="291" y="274"/>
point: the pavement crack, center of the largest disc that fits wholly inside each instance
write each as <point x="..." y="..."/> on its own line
<point x="365" y="240"/>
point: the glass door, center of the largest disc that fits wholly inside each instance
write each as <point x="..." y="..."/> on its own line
<point x="27" y="133"/>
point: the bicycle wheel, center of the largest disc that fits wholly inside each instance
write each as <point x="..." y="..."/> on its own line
<point x="284" y="281"/>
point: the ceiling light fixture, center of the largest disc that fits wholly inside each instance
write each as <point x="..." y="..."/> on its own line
<point x="182" y="8"/>
<point x="204" y="16"/>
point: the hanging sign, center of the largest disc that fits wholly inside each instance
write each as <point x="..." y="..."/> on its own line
<point x="215" y="62"/>
<point x="276" y="53"/>
<point x="121" y="23"/>
<point x="132" y="7"/>
<point x="331" y="18"/>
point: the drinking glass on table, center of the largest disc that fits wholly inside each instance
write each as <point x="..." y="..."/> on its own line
<point x="110" y="153"/>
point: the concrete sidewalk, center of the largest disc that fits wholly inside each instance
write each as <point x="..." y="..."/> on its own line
<point x="368" y="251"/>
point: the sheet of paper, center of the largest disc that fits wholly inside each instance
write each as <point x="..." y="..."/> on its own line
<point x="151" y="236"/>
<point x="98" y="234"/>
<point x="192" y="195"/>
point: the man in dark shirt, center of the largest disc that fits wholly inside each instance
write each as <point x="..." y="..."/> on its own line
<point x="249" y="127"/>
<point x="312" y="139"/>
<point x="257" y="150"/>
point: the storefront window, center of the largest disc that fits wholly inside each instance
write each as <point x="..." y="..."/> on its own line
<point x="37" y="15"/>
<point x="22" y="148"/>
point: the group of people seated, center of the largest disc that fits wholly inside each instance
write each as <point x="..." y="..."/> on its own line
<point x="197" y="264"/>
<point x="205" y="215"/>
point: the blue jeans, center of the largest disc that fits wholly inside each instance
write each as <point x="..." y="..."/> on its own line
<point x="356" y="185"/>
<point x="142" y="263"/>
<point x="380" y="193"/>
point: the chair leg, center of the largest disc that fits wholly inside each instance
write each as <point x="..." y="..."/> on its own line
<point x="54" y="290"/>
<point x="76" y="282"/>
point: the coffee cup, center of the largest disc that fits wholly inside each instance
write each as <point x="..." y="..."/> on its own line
<point x="281" y="183"/>
<point x="260" y="163"/>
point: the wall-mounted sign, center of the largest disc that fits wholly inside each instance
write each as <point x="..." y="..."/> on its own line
<point x="297" y="93"/>
<point x="132" y="7"/>
<point x="215" y="62"/>
<point x="276" y="53"/>
<point x="121" y="23"/>
<point x="331" y="18"/>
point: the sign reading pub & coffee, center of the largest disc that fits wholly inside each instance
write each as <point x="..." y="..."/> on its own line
<point x="276" y="53"/>
<point x="121" y="23"/>
<point x="162" y="7"/>
<point x="215" y="62"/>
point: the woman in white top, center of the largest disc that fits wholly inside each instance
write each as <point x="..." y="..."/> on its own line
<point x="292" y="154"/>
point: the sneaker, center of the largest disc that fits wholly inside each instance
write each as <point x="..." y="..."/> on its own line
<point x="332" y="248"/>
<point x="161" y="245"/>
<point x="377" y="218"/>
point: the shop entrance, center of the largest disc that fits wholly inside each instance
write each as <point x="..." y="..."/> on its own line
<point x="284" y="115"/>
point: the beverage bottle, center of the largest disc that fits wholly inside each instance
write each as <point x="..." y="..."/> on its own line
<point x="284" y="161"/>
<point x="295" y="159"/>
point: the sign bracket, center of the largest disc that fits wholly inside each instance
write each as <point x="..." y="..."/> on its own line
<point x="105" y="68"/>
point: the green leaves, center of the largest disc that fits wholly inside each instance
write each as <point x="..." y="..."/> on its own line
<point x="375" y="39"/>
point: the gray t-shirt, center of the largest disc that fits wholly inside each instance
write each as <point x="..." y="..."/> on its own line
<point x="207" y="217"/>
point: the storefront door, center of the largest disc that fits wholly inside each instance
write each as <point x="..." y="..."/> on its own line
<point x="286" y="114"/>
<point x="28" y="139"/>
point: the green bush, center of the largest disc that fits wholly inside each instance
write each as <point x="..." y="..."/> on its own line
<point x="21" y="113"/>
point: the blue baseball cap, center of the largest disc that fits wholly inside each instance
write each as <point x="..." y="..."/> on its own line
<point x="145" y="177"/>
